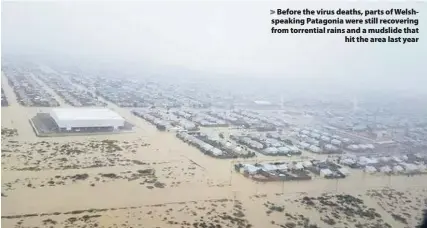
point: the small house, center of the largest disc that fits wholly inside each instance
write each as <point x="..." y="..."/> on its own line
<point x="370" y="169"/>
<point x="326" y="173"/>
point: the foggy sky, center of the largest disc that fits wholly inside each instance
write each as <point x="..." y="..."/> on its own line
<point x="213" y="37"/>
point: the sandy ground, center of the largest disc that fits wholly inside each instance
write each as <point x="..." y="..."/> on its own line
<point x="152" y="179"/>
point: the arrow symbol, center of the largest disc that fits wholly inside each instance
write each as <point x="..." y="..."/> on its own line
<point x="272" y="12"/>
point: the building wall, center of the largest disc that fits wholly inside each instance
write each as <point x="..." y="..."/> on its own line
<point x="77" y="123"/>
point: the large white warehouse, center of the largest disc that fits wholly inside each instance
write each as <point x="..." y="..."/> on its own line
<point x="84" y="118"/>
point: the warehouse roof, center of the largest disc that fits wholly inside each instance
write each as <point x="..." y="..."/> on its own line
<point x="86" y="114"/>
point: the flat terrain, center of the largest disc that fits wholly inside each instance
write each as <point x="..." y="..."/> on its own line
<point x="151" y="179"/>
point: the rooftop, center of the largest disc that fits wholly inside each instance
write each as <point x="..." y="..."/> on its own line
<point x="85" y="114"/>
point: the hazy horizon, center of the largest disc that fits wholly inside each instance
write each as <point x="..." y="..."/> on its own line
<point x="210" y="38"/>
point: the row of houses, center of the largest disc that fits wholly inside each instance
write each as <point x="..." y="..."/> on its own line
<point x="360" y="147"/>
<point x="281" y="151"/>
<point x="175" y="121"/>
<point x="28" y="91"/>
<point x="201" y="118"/>
<point x="213" y="146"/>
<point x="404" y="164"/>
<point x="329" y="169"/>
<point x="319" y="148"/>
<point x="165" y="121"/>
<point x="72" y="94"/>
<point x="267" y="146"/>
<point x="4" y="101"/>
<point x="130" y="92"/>
<point x="288" y="171"/>
<point x="278" y="136"/>
<point x="323" y="142"/>
<point x="265" y="140"/>
<point x="322" y="136"/>
<point x="144" y="92"/>
<point x="318" y="142"/>
<point x="254" y="145"/>
<point x="124" y="92"/>
<point x="228" y="116"/>
<point x="279" y="171"/>
<point x="272" y="120"/>
<point x="246" y="119"/>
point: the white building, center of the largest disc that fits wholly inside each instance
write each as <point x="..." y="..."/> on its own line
<point x="77" y="118"/>
<point x="315" y="135"/>
<point x="325" y="139"/>
<point x="271" y="150"/>
<point x="386" y="169"/>
<point x="313" y="142"/>
<point x="336" y="137"/>
<point x="238" y="149"/>
<point x="304" y="145"/>
<point x="410" y="168"/>
<point x="294" y="149"/>
<point x="305" y="132"/>
<point x="250" y="168"/>
<point x="207" y="147"/>
<point x="216" y="151"/>
<point x="336" y="142"/>
<point x="344" y="171"/>
<point x="348" y="161"/>
<point x="370" y="169"/>
<point x="346" y="140"/>
<point x="268" y="167"/>
<point x="284" y="149"/>
<point x="307" y="164"/>
<point x="422" y="167"/>
<point x="282" y="167"/>
<point x="325" y="172"/>
<point x="331" y="148"/>
<point x="398" y="169"/>
<point x="315" y="149"/>
<point x="299" y="166"/>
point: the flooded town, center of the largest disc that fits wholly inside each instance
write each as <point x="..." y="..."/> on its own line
<point x="196" y="163"/>
<point x="109" y="121"/>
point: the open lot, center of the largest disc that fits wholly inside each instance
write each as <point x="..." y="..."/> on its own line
<point x="208" y="213"/>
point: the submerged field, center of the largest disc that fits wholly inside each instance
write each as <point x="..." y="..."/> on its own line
<point x="151" y="179"/>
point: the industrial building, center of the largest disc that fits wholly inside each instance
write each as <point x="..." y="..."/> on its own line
<point x="60" y="121"/>
<point x="86" y="118"/>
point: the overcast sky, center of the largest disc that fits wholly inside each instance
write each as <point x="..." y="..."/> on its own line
<point x="215" y="37"/>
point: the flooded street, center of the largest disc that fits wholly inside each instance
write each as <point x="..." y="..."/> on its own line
<point x="152" y="179"/>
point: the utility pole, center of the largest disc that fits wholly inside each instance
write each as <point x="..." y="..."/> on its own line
<point x="336" y="185"/>
<point x="231" y="172"/>
<point x="283" y="188"/>
<point x="256" y="188"/>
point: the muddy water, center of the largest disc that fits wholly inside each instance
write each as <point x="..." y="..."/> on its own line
<point x="201" y="178"/>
